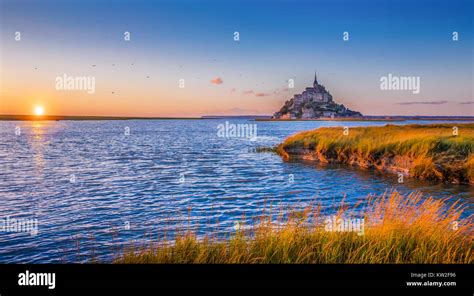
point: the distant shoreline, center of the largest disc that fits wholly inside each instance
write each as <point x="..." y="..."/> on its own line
<point x="63" y="117"/>
<point x="335" y="119"/>
<point x="379" y="118"/>
<point x="230" y="117"/>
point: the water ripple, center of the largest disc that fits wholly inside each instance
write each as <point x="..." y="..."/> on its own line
<point x="93" y="189"/>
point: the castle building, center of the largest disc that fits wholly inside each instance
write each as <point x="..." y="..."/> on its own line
<point x="317" y="93"/>
<point x="313" y="102"/>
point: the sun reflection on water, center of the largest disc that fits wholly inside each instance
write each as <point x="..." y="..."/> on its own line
<point x="38" y="130"/>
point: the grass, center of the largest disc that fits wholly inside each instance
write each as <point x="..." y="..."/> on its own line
<point x="430" y="152"/>
<point x="397" y="229"/>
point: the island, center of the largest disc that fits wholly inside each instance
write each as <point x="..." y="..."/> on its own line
<point x="314" y="102"/>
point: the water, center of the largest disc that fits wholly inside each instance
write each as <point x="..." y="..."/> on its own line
<point x="93" y="188"/>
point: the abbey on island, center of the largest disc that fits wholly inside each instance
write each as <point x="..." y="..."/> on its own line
<point x="314" y="102"/>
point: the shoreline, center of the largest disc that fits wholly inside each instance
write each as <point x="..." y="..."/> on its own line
<point x="427" y="152"/>
<point x="7" y="117"/>
<point x="394" y="118"/>
<point x="83" y="118"/>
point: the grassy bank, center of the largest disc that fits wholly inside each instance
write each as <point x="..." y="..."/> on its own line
<point x="397" y="229"/>
<point x="421" y="151"/>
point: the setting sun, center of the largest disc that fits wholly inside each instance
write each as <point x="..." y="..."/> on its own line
<point x="39" y="110"/>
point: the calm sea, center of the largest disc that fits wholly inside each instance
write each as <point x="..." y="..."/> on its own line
<point x="95" y="186"/>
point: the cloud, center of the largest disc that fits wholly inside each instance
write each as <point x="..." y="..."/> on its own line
<point x="467" y="103"/>
<point x="233" y="90"/>
<point x="261" y="94"/>
<point x="248" y="92"/>
<point x="217" y="81"/>
<point x="440" y="102"/>
<point x="278" y="91"/>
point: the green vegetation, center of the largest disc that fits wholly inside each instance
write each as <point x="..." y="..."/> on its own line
<point x="266" y="149"/>
<point x="422" y="151"/>
<point x="398" y="229"/>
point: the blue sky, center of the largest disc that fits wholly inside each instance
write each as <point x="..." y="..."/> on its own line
<point x="279" y="40"/>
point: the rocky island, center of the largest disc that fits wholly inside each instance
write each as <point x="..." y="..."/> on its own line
<point x="314" y="102"/>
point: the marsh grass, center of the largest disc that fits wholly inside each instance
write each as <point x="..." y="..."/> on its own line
<point x="398" y="229"/>
<point x="430" y="152"/>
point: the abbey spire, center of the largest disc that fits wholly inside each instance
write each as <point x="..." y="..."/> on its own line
<point x="315" y="83"/>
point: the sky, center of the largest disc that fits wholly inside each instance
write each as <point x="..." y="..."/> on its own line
<point x="193" y="41"/>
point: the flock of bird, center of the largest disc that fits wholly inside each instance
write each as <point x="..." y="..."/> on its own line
<point x="148" y="76"/>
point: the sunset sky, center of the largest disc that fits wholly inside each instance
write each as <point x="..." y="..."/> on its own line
<point x="194" y="41"/>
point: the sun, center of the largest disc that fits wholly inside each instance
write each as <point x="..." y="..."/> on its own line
<point x="39" y="110"/>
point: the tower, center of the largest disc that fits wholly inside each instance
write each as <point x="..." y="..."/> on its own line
<point x="315" y="83"/>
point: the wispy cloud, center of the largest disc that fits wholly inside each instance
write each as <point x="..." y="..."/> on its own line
<point x="217" y="81"/>
<point x="248" y="92"/>
<point x="467" y="103"/>
<point x="261" y="94"/>
<point x="440" y="102"/>
<point x="278" y="90"/>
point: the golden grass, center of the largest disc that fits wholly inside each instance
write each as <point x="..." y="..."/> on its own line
<point x="427" y="151"/>
<point x="397" y="229"/>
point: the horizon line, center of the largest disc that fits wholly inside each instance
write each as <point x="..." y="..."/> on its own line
<point x="25" y="117"/>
